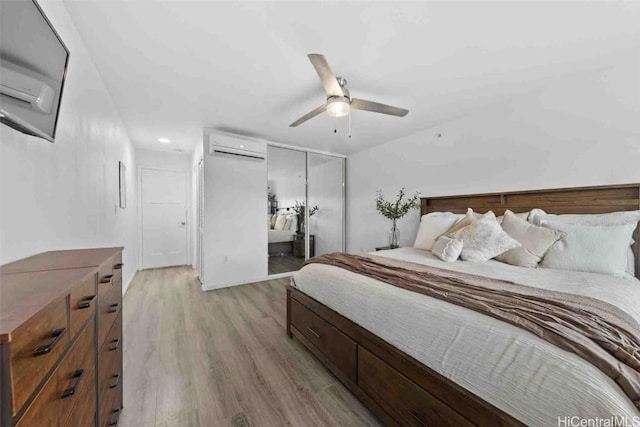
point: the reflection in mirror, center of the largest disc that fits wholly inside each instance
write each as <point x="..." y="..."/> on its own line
<point x="326" y="201"/>
<point x="286" y="173"/>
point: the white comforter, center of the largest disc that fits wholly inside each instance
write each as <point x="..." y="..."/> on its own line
<point x="514" y="370"/>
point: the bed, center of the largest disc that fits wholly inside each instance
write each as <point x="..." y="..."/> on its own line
<point x="416" y="360"/>
<point x="280" y="242"/>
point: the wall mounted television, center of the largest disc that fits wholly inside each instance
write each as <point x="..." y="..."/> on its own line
<point x="33" y="68"/>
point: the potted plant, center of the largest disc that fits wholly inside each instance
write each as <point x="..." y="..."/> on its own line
<point x="394" y="211"/>
<point x="299" y="209"/>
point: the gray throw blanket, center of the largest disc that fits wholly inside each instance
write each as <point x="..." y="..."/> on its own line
<point x="599" y="332"/>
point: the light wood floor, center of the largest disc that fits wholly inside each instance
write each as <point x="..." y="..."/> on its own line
<point x="284" y="263"/>
<point x="217" y="358"/>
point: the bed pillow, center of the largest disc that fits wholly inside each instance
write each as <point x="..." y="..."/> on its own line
<point x="613" y="218"/>
<point x="274" y="217"/>
<point x="432" y="226"/>
<point x="484" y="239"/>
<point x="521" y="215"/>
<point x="591" y="248"/>
<point x="466" y="220"/>
<point x="535" y="241"/>
<point x="293" y="226"/>
<point x="447" y="249"/>
<point x="280" y="222"/>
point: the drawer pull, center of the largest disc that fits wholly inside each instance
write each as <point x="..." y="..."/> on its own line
<point x="113" y="308"/>
<point x="118" y="266"/>
<point x="45" y="349"/>
<point x="117" y="378"/>
<point x="315" y="334"/>
<point x="115" y="344"/>
<point x="77" y="375"/>
<point x="113" y="422"/>
<point x="416" y="415"/>
<point x="86" y="303"/>
<point x="115" y="410"/>
<point x="106" y="279"/>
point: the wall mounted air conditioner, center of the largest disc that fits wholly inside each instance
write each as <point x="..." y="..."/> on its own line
<point x="18" y="85"/>
<point x="223" y="145"/>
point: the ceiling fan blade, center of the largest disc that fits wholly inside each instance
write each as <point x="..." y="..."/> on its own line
<point x="359" y="104"/>
<point x="310" y="115"/>
<point x="328" y="79"/>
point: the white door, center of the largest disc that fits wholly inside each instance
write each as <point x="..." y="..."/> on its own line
<point x="164" y="218"/>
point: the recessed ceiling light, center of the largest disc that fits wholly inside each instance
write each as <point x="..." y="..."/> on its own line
<point x="164" y="140"/>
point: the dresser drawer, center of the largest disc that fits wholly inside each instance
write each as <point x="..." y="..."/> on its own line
<point x="335" y="346"/>
<point x="105" y="279"/>
<point x="117" y="268"/>
<point x="109" y="308"/>
<point x="413" y="405"/>
<point x="82" y="305"/>
<point x="110" y="385"/>
<point x="67" y="387"/>
<point x="35" y="348"/>
<point x="84" y="413"/>
<point x="110" y="410"/>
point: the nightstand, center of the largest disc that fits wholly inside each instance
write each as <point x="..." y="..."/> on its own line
<point x="384" y="248"/>
<point x="298" y="245"/>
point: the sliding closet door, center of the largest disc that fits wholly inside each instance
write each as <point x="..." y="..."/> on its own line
<point x="326" y="213"/>
<point x="286" y="175"/>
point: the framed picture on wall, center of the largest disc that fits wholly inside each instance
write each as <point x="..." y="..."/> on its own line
<point x="122" y="178"/>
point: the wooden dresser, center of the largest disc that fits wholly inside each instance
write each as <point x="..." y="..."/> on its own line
<point x="61" y="339"/>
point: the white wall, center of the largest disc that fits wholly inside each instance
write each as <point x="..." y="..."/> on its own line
<point x="64" y="195"/>
<point x="579" y="130"/>
<point x="196" y="157"/>
<point x="163" y="160"/>
<point x="235" y="203"/>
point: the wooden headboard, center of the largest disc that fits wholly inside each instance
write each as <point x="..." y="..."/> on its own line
<point x="579" y="200"/>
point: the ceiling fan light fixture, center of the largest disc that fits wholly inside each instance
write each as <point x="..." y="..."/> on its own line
<point x="338" y="106"/>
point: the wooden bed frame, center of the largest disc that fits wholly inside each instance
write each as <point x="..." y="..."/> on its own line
<point x="396" y="387"/>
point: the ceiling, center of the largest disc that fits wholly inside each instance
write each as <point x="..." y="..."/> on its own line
<point x="175" y="67"/>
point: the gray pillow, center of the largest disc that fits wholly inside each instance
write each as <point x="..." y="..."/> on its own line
<point x="535" y="241"/>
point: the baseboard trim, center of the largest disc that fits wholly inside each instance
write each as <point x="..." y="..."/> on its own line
<point x="125" y="288"/>
<point x="206" y="287"/>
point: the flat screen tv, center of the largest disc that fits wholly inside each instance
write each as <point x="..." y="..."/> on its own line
<point x="33" y="67"/>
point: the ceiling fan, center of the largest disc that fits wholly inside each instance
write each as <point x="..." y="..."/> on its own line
<point x="339" y="102"/>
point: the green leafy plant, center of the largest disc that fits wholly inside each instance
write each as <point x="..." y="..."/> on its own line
<point x="398" y="209"/>
<point x="300" y="207"/>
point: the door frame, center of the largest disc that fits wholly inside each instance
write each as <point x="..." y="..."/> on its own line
<point x="187" y="213"/>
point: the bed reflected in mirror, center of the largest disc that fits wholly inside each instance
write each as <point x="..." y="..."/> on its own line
<point x="286" y="174"/>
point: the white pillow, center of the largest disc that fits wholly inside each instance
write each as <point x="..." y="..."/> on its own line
<point x="521" y="215"/>
<point x="467" y="219"/>
<point x="591" y="248"/>
<point x="280" y="222"/>
<point x="294" y="223"/>
<point x="274" y="217"/>
<point x="447" y="249"/>
<point x="432" y="226"/>
<point x="613" y="218"/>
<point x="535" y="241"/>
<point x="484" y="239"/>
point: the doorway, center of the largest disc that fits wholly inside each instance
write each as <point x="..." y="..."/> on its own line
<point x="163" y="205"/>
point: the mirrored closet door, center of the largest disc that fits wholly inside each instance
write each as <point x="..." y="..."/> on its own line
<point x="325" y="192"/>
<point x="286" y="176"/>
